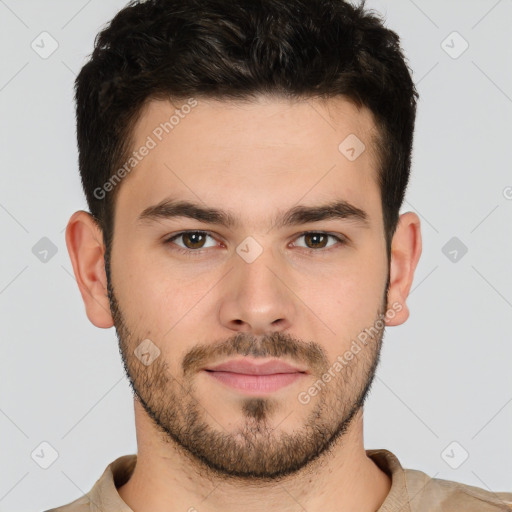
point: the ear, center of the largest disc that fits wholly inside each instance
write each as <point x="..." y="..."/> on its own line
<point x="405" y="254"/>
<point x="84" y="240"/>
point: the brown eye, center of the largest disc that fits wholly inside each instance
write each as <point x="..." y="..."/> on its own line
<point x="190" y="240"/>
<point x="193" y="240"/>
<point x="314" y="241"/>
<point x="317" y="240"/>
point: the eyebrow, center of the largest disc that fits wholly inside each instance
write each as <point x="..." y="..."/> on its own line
<point x="172" y="208"/>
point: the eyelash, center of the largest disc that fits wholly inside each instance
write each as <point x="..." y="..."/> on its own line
<point x="198" y="252"/>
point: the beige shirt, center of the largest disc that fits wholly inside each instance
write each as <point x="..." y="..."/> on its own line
<point x="411" y="491"/>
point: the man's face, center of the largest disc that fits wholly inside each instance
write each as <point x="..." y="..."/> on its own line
<point x="258" y="289"/>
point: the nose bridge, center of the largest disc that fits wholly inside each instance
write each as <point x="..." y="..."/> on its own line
<point x="256" y="298"/>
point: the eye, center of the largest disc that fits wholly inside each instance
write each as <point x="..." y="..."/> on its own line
<point x="193" y="240"/>
<point x="316" y="240"/>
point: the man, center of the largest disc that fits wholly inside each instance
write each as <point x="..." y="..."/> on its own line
<point x="244" y="164"/>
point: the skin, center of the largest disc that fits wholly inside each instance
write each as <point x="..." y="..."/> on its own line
<point x="302" y="300"/>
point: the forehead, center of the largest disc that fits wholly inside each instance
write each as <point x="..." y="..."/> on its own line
<point x="252" y="155"/>
<point x="262" y="122"/>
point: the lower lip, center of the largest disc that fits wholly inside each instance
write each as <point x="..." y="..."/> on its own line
<point x="256" y="383"/>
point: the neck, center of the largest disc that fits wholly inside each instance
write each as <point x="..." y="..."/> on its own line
<point x="165" y="480"/>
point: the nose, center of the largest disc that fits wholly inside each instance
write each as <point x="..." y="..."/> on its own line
<point x="257" y="298"/>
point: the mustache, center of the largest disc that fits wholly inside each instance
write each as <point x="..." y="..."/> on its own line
<point x="275" y="345"/>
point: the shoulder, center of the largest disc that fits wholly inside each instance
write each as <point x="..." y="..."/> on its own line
<point x="104" y="494"/>
<point x="426" y="493"/>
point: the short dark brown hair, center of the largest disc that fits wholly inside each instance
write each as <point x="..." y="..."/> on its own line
<point x="165" y="49"/>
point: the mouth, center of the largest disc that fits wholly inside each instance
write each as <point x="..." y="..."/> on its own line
<point x="249" y="377"/>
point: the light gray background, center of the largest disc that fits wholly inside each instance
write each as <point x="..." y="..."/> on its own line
<point x="445" y="375"/>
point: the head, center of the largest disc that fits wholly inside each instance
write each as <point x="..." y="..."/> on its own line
<point x="278" y="135"/>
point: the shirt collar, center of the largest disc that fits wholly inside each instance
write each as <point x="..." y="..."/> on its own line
<point x="104" y="493"/>
<point x="105" y="496"/>
<point x="397" y="499"/>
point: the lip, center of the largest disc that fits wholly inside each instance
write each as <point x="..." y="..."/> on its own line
<point x="248" y="366"/>
<point x="251" y="378"/>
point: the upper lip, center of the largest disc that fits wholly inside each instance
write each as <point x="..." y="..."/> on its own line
<point x="250" y="367"/>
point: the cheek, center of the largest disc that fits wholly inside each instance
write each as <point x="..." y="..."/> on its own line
<point x="163" y="300"/>
<point x="143" y="295"/>
<point x="347" y="301"/>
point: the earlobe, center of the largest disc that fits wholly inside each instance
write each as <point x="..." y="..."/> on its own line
<point x="84" y="241"/>
<point x="405" y="254"/>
